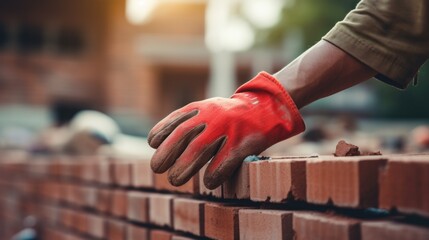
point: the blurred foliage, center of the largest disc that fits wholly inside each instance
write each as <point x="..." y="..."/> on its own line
<point x="409" y="103"/>
<point x="314" y="18"/>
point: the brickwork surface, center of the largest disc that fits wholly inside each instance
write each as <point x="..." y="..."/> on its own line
<point x="377" y="197"/>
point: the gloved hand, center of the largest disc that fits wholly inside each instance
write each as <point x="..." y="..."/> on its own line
<point x="225" y="130"/>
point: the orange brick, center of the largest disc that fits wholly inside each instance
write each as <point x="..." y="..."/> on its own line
<point x="137" y="233"/>
<point x="309" y="225"/>
<point x="263" y="224"/>
<point x="161" y="209"/>
<point x="404" y="184"/>
<point x="347" y="181"/>
<point x="377" y="230"/>
<point x="138" y="206"/>
<point x="161" y="183"/>
<point x="142" y="174"/>
<point x="188" y="215"/>
<point x="221" y="221"/>
<point x="119" y="203"/>
<point x="277" y="180"/>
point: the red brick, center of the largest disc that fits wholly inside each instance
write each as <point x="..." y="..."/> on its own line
<point x="404" y="184"/>
<point x="119" y="203"/>
<point x="81" y="221"/>
<point x="392" y="231"/>
<point x="90" y="171"/>
<point x="105" y="171"/>
<point x="116" y="230"/>
<point x="347" y="181"/>
<point x="138" y="206"/>
<point x="160" y="235"/>
<point x="161" y="183"/>
<point x="277" y="180"/>
<point x="321" y="226"/>
<point x="263" y="224"/>
<point x="88" y="197"/>
<point x="142" y="174"/>
<point x="217" y="192"/>
<point x="96" y="226"/>
<point x="221" y="221"/>
<point x="188" y="215"/>
<point x="238" y="186"/>
<point x="137" y="233"/>
<point x="161" y="209"/>
<point x="122" y="173"/>
<point x="104" y="200"/>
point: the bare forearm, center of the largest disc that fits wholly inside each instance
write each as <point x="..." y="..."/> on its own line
<point x="321" y="71"/>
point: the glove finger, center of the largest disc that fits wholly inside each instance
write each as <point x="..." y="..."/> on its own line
<point x="173" y="146"/>
<point x="164" y="128"/>
<point x="230" y="157"/>
<point x="196" y="155"/>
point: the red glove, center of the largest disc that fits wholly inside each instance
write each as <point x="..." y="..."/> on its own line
<point x="225" y="130"/>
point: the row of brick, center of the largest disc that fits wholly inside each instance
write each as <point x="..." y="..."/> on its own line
<point x="359" y="182"/>
<point x="214" y="220"/>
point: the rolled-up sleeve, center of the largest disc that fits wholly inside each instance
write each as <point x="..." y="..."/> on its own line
<point x="390" y="36"/>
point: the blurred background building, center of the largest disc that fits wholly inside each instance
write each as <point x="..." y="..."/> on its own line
<point x="138" y="60"/>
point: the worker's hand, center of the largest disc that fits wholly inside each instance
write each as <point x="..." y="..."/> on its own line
<point x="225" y="130"/>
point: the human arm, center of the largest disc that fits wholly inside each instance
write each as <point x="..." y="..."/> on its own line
<point x="322" y="70"/>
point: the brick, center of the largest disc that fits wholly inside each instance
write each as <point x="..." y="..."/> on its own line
<point x="81" y="221"/>
<point x="309" y="225"/>
<point x="96" y="226"/>
<point x="142" y="174"/>
<point x="188" y="215"/>
<point x="105" y="171"/>
<point x="160" y="235"/>
<point x="137" y="233"/>
<point x="90" y="171"/>
<point x="161" y="183"/>
<point x="122" y="173"/>
<point x="277" y="180"/>
<point x="138" y="206"/>
<point x="404" y="184"/>
<point x="104" y="200"/>
<point x="346" y="181"/>
<point x="161" y="209"/>
<point x="88" y="197"/>
<point x="221" y="221"/>
<point x="262" y="224"/>
<point x="119" y="203"/>
<point x="116" y="230"/>
<point x="238" y="186"/>
<point x="393" y="231"/>
<point x="217" y="192"/>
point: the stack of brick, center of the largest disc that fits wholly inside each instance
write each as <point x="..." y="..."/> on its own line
<point x="372" y="197"/>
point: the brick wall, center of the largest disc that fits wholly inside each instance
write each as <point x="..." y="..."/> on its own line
<point x="377" y="197"/>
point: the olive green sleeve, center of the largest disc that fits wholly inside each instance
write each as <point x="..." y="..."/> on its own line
<point x="390" y="36"/>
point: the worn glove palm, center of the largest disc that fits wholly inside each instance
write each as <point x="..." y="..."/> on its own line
<point x="225" y="130"/>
